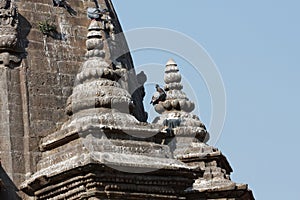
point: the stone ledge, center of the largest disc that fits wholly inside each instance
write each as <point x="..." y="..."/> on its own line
<point x="240" y="192"/>
<point x="139" y="133"/>
<point x="101" y="178"/>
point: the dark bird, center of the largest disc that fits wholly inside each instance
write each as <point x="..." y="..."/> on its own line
<point x="95" y="13"/>
<point x="64" y="4"/>
<point x="159" y="95"/>
<point x="171" y="124"/>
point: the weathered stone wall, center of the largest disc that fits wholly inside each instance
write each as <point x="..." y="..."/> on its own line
<point x="49" y="70"/>
<point x="11" y="126"/>
<point x="52" y="62"/>
<point x="34" y="93"/>
<point x="33" y="98"/>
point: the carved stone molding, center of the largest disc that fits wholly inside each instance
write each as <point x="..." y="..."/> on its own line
<point x="9" y="51"/>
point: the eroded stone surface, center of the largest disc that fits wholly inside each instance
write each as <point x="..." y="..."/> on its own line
<point x="103" y="132"/>
<point x="176" y="113"/>
<point x="189" y="146"/>
<point x="103" y="149"/>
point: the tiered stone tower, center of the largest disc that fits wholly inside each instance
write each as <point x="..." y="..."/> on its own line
<point x="189" y="145"/>
<point x="98" y="152"/>
<point x="73" y="124"/>
<point x="177" y="109"/>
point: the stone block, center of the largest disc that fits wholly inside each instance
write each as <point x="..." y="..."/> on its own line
<point x="17" y="129"/>
<point x="67" y="80"/>
<point x="34" y="143"/>
<point x="26" y="7"/>
<point x="34" y="159"/>
<point x="36" y="48"/>
<point x="6" y="160"/>
<point x="42" y="114"/>
<point x="4" y="143"/>
<point x="17" y="143"/>
<point x="15" y="98"/>
<point x="18" y="162"/>
<point x="69" y="68"/>
<point x="67" y="91"/>
<point x="39" y="128"/>
<point x="4" y="119"/>
<point x="14" y="75"/>
<point x="43" y="8"/>
<point x="43" y="79"/>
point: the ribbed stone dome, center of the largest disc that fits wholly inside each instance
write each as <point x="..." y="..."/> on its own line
<point x="96" y="84"/>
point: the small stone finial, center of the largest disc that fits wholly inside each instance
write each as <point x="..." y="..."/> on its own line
<point x="94" y="43"/>
<point x="171" y="62"/>
<point x="176" y="109"/>
<point x="175" y="98"/>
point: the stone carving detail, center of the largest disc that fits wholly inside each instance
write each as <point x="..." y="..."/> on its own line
<point x="176" y="98"/>
<point x="109" y="26"/>
<point x="102" y="138"/>
<point x="216" y="176"/>
<point x="99" y="97"/>
<point x="97" y="83"/>
<point x="102" y="151"/>
<point x="177" y="108"/>
<point x="9" y="51"/>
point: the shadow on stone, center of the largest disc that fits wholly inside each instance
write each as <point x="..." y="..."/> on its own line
<point x="8" y="190"/>
<point x="13" y="35"/>
<point x="57" y="35"/>
<point x="23" y="31"/>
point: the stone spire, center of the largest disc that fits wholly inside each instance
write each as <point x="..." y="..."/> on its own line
<point x="189" y="142"/>
<point x="176" y="99"/>
<point x="177" y="108"/>
<point x="98" y="87"/>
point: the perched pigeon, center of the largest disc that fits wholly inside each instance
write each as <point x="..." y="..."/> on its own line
<point x="93" y="13"/>
<point x="158" y="96"/>
<point x="63" y="3"/>
<point x="60" y="3"/>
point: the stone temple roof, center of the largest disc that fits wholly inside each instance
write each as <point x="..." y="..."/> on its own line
<point x="74" y="125"/>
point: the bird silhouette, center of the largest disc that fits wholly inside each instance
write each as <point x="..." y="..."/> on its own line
<point x="64" y="4"/>
<point x="97" y="12"/>
<point x="170" y="124"/>
<point x="159" y="95"/>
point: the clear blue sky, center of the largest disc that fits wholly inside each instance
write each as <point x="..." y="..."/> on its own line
<point x="255" y="45"/>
